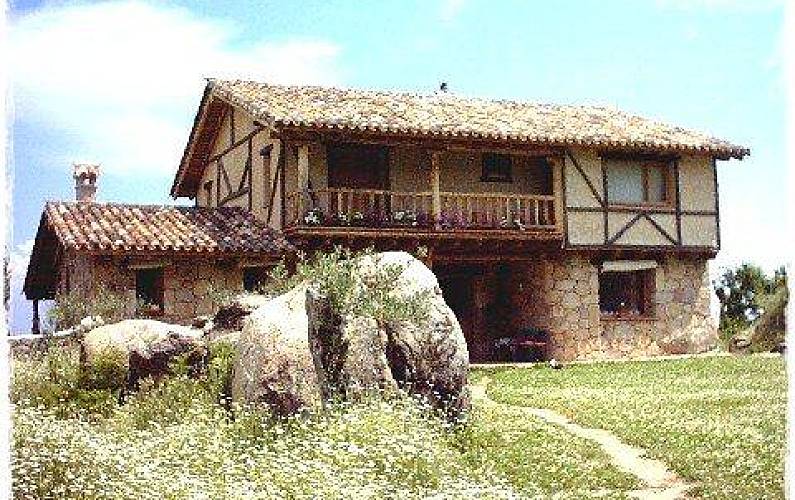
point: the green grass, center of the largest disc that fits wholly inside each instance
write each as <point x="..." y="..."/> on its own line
<point x="539" y="459"/>
<point x="718" y="422"/>
<point x="174" y="440"/>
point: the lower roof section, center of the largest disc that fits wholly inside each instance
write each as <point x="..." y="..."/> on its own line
<point x="125" y="229"/>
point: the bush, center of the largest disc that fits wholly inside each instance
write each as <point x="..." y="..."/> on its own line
<point x="769" y="330"/>
<point x="70" y="308"/>
<point x="336" y="275"/>
<point x="52" y="378"/>
<point x="108" y="371"/>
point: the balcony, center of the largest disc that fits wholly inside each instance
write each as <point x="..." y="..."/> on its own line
<point x="373" y="211"/>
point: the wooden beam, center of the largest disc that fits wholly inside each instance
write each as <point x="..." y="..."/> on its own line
<point x="634" y="210"/>
<point x="236" y="144"/>
<point x="274" y="163"/>
<point x="284" y="148"/>
<point x="36" y="326"/>
<point x="623" y="230"/>
<point x="587" y="179"/>
<point x="302" y="157"/>
<point x="662" y="231"/>
<point x="436" y="197"/>
<point x="231" y="196"/>
<point x="565" y="228"/>
<point x="678" y="199"/>
<point x="557" y="191"/>
<point x="604" y="201"/>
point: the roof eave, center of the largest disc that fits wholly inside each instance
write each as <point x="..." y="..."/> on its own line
<point x="177" y="188"/>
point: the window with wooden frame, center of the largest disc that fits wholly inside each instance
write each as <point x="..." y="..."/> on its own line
<point x="633" y="182"/>
<point x="626" y="294"/>
<point x="496" y="167"/>
<point x="149" y="290"/>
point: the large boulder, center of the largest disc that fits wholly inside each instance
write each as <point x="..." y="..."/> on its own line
<point x="144" y="347"/>
<point x="428" y="354"/>
<point x="349" y="352"/>
<point x="230" y="316"/>
<point x="297" y="351"/>
<point x="274" y="366"/>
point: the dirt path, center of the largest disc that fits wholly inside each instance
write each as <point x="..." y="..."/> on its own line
<point x="661" y="483"/>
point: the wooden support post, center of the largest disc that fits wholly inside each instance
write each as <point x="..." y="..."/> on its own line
<point x="303" y="178"/>
<point x="557" y="191"/>
<point x="36" y="328"/>
<point x="436" y="197"/>
<point x="273" y="181"/>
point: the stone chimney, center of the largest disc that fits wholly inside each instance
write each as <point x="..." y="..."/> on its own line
<point x="85" y="176"/>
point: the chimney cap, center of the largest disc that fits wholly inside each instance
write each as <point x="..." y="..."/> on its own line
<point x="85" y="170"/>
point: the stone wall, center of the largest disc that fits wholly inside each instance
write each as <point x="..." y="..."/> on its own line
<point x="189" y="285"/>
<point x="561" y="295"/>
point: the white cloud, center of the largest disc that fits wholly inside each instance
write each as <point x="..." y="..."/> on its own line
<point x="449" y="9"/>
<point x="18" y="260"/>
<point x="123" y="80"/>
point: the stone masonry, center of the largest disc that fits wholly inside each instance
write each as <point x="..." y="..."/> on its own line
<point x="188" y="284"/>
<point x="561" y="295"/>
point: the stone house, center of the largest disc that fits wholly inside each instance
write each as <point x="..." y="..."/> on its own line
<point x="577" y="231"/>
<point x="164" y="261"/>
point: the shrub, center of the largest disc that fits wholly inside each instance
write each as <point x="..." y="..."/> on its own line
<point x="337" y="275"/>
<point x="52" y="378"/>
<point x="71" y="307"/>
<point x="218" y="379"/>
<point x="769" y="330"/>
<point x="108" y="371"/>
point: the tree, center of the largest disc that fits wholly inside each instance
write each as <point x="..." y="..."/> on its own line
<point x="739" y="291"/>
<point x="744" y="292"/>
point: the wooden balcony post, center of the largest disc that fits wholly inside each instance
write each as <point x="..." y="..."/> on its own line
<point x="36" y="327"/>
<point x="436" y="197"/>
<point x="303" y="178"/>
<point x="557" y="191"/>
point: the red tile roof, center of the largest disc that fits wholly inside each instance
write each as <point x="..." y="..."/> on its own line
<point x="120" y="228"/>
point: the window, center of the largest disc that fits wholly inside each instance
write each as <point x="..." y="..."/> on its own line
<point x="496" y="168"/>
<point x="254" y="277"/>
<point x="149" y="290"/>
<point x="626" y="293"/>
<point x="637" y="182"/>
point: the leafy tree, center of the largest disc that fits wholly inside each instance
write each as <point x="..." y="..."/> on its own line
<point x="745" y="293"/>
<point x="739" y="291"/>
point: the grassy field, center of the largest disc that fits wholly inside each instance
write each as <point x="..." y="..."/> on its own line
<point x="719" y="422"/>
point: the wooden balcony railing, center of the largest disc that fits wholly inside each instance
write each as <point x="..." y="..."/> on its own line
<point x="372" y="208"/>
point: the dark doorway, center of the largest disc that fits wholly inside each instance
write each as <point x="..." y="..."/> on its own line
<point x="149" y="290"/>
<point x="466" y="290"/>
<point x="358" y="167"/>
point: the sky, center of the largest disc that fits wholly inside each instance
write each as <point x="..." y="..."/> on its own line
<point x="119" y="83"/>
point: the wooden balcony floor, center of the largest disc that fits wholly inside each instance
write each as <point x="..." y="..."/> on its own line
<point x="512" y="234"/>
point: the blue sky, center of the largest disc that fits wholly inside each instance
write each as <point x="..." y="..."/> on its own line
<point x="119" y="82"/>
